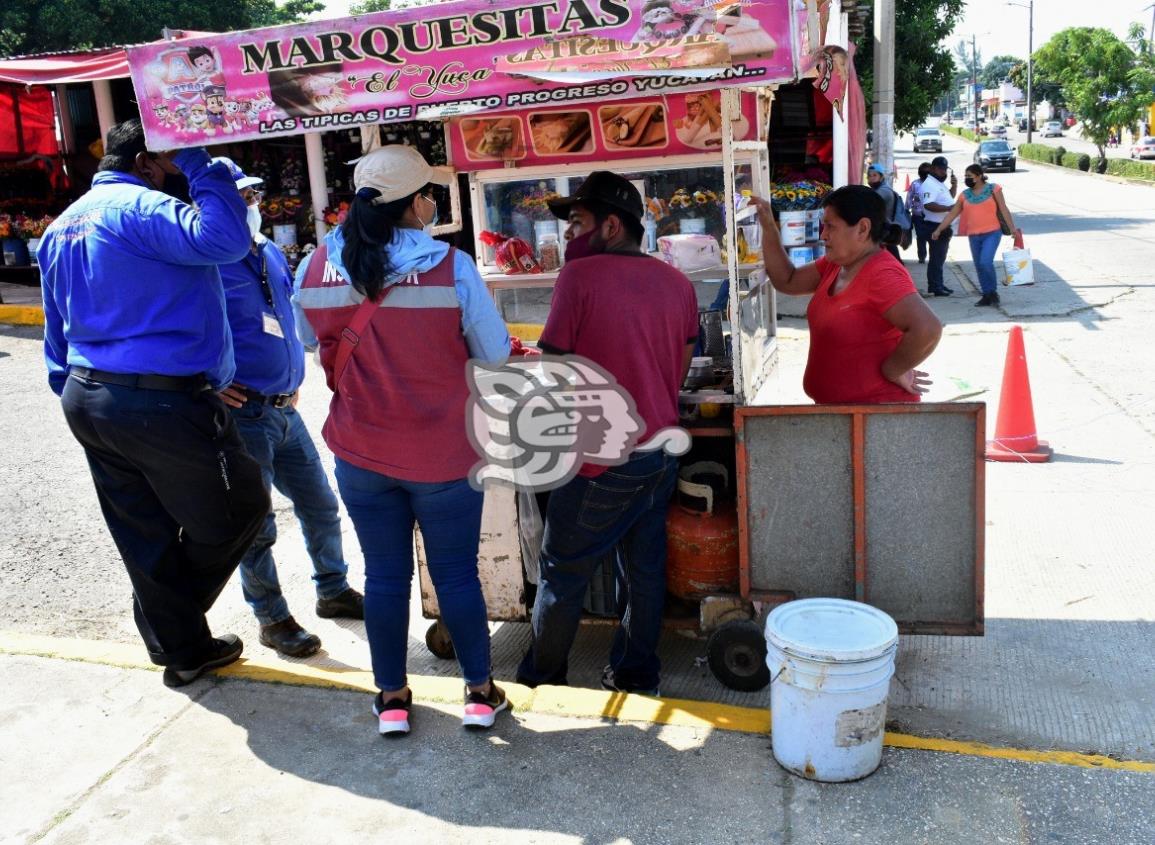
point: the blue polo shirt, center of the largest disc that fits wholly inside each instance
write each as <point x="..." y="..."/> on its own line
<point x="130" y="279"/>
<point x="270" y="358"/>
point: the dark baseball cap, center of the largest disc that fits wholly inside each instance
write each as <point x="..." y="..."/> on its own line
<point x="939" y="161"/>
<point x="606" y="188"/>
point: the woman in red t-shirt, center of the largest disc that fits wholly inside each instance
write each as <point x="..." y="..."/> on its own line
<point x="869" y="328"/>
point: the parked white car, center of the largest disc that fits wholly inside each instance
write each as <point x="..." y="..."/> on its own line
<point x="1052" y="128"/>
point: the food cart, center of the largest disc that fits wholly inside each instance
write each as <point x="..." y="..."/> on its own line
<point x="685" y="99"/>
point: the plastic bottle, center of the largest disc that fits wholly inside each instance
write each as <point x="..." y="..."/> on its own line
<point x="650" y="225"/>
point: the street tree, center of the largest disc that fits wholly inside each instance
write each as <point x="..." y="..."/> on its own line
<point x="55" y="25"/>
<point x="1041" y="88"/>
<point x="996" y="70"/>
<point x="923" y="71"/>
<point x="1104" y="82"/>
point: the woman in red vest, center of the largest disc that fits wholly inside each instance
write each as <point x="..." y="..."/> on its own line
<point x="397" y="315"/>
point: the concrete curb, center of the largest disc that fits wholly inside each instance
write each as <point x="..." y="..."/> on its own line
<point x="554" y="701"/>
<point x="22" y="315"/>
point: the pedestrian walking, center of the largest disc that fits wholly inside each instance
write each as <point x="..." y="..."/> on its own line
<point x="985" y="219"/>
<point x="869" y="328"/>
<point x="398" y="315"/>
<point x="937" y="201"/>
<point x="137" y="344"/>
<point x="876" y="178"/>
<point x="270" y="362"/>
<point x="914" y="206"/>
<point x="637" y="317"/>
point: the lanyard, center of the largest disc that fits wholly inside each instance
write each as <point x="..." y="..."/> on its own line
<point x="266" y="291"/>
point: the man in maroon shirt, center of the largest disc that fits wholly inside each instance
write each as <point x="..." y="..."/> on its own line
<point x="637" y="317"/>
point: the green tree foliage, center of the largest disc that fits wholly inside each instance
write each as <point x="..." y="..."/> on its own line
<point x="1104" y="82"/>
<point x="54" y="25"/>
<point x="996" y="70"/>
<point x="1041" y="88"/>
<point x="923" y="71"/>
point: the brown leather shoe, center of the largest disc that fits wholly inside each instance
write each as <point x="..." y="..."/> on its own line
<point x="290" y="639"/>
<point x="347" y="605"/>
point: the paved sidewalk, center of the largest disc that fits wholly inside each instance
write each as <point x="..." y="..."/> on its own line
<point x="99" y="754"/>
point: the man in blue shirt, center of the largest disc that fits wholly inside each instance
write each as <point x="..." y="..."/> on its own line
<point x="263" y="396"/>
<point x="137" y="345"/>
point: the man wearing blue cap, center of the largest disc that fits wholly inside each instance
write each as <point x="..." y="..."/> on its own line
<point x="137" y="346"/>
<point x="263" y="397"/>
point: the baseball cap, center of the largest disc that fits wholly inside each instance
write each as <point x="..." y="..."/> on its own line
<point x="876" y="168"/>
<point x="242" y="181"/>
<point x="397" y="171"/>
<point x="939" y="161"/>
<point x="606" y="188"/>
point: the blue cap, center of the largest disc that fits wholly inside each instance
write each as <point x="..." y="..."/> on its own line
<point x="242" y="181"/>
<point x="876" y="168"/>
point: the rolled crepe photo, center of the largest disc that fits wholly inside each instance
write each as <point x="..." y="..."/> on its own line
<point x="633" y="127"/>
<point x="498" y="138"/>
<point x="561" y="133"/>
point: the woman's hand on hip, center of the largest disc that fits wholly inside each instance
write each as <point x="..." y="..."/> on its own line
<point x="915" y="382"/>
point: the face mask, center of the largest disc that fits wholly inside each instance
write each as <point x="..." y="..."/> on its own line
<point x="969" y="181"/>
<point x="176" y="185"/>
<point x="580" y="247"/>
<point x="427" y="227"/>
<point x="253" y="218"/>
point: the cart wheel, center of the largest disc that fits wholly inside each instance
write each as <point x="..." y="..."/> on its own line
<point x="438" y="641"/>
<point x="737" y="655"/>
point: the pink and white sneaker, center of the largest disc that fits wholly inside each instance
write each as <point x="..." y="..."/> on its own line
<point x="392" y="715"/>
<point x="481" y="710"/>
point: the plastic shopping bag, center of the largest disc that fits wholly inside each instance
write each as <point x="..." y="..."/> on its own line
<point x="1019" y="267"/>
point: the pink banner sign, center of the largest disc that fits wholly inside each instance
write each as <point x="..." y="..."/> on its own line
<point x="454" y="58"/>
<point x="669" y="125"/>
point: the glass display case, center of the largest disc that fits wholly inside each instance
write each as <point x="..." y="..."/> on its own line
<point x="683" y="195"/>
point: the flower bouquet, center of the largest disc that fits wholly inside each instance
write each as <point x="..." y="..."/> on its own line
<point x="335" y="215"/>
<point x="292" y="176"/>
<point x="33" y="227"/>
<point x="280" y="209"/>
<point x="798" y="196"/>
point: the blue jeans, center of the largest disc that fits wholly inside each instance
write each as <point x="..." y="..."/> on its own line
<point x="278" y="440"/>
<point x="383" y="511"/>
<point x="937" y="259"/>
<point x="624" y="507"/>
<point x="983" y="248"/>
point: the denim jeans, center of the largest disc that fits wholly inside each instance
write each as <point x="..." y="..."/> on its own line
<point x="624" y="507"/>
<point x="920" y="236"/>
<point x="938" y="251"/>
<point x="278" y="440"/>
<point x="383" y="511"/>
<point x="983" y="249"/>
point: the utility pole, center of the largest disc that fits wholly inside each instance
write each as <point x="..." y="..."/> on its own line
<point x="1031" y="66"/>
<point x="883" y="85"/>
<point x="975" y="80"/>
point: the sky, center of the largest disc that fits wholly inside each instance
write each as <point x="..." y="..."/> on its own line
<point x="1000" y="28"/>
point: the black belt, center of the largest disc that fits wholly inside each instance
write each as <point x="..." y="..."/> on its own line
<point x="182" y="384"/>
<point x="278" y="400"/>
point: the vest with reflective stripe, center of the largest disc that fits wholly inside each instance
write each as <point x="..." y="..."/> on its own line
<point x="400" y="406"/>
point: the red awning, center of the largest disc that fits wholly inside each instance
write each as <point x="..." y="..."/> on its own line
<point x="79" y="66"/>
<point x="59" y="68"/>
<point x="27" y="123"/>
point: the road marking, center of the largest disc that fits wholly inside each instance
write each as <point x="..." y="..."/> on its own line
<point x="554" y="701"/>
<point x="22" y="315"/>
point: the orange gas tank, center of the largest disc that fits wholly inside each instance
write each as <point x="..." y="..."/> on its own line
<point x="701" y="545"/>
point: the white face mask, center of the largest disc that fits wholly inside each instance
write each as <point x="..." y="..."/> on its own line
<point x="253" y="218"/>
<point x="428" y="227"/>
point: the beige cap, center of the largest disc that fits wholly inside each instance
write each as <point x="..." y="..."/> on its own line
<point x="397" y="171"/>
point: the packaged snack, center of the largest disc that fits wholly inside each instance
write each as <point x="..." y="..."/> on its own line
<point x="513" y="255"/>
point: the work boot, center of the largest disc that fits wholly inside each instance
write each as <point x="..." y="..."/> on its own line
<point x="224" y="650"/>
<point x="349" y="604"/>
<point x="290" y="639"/>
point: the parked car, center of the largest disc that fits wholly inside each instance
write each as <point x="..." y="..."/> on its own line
<point x="928" y="139"/>
<point x="1023" y="125"/>
<point x="998" y="131"/>
<point x="1145" y="148"/>
<point x="996" y="155"/>
<point x="1052" y="128"/>
<point x="969" y="123"/>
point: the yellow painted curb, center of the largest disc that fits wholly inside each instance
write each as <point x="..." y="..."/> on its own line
<point x="528" y="332"/>
<point x="22" y="315"/>
<point x="556" y="701"/>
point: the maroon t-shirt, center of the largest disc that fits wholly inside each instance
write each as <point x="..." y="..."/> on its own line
<point x="850" y="337"/>
<point x="634" y="315"/>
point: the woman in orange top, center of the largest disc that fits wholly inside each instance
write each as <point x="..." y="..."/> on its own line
<point x="980" y="206"/>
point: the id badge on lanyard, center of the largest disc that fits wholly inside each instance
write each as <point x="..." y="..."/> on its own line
<point x="271" y="324"/>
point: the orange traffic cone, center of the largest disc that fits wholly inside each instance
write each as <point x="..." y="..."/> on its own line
<point x="906" y="187"/>
<point x="1015" y="435"/>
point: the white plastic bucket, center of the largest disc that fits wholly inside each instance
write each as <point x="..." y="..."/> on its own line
<point x="830" y="665"/>
<point x="800" y="255"/>
<point x="792" y="225"/>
